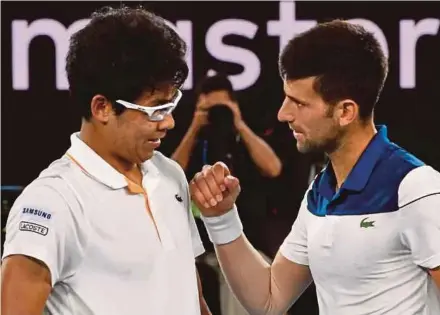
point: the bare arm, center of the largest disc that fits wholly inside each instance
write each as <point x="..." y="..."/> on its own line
<point x="261" y="153"/>
<point x="26" y="285"/>
<point x="260" y="287"/>
<point x="435" y="274"/>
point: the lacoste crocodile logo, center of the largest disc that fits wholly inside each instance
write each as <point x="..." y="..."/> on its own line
<point x="366" y="224"/>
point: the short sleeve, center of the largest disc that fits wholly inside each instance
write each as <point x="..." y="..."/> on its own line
<point x="196" y="241"/>
<point x="419" y="202"/>
<point x="294" y="246"/>
<point x="41" y="225"/>
<point x="197" y="245"/>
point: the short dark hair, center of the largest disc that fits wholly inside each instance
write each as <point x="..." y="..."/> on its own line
<point x="122" y="53"/>
<point x="346" y="59"/>
<point x="217" y="82"/>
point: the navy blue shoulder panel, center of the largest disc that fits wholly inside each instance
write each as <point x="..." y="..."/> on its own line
<point x="380" y="194"/>
<point x="315" y="202"/>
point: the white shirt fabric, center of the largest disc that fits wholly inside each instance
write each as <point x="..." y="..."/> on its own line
<point x="105" y="253"/>
<point x="368" y="251"/>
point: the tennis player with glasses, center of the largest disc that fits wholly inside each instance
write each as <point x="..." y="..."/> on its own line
<point x="107" y="228"/>
<point x="155" y="113"/>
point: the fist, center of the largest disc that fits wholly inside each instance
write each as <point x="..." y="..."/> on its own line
<point x="214" y="190"/>
<point x="203" y="103"/>
<point x="200" y="118"/>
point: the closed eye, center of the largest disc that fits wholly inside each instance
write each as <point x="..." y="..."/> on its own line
<point x="174" y="99"/>
<point x="297" y="102"/>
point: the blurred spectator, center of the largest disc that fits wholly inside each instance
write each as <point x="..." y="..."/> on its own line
<point x="218" y="133"/>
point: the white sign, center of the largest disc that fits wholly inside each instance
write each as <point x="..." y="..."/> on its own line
<point x="285" y="27"/>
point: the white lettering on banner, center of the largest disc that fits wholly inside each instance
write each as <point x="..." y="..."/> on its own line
<point x="244" y="57"/>
<point x="374" y="28"/>
<point x="22" y="35"/>
<point x="285" y="27"/>
<point x="184" y="29"/>
<point x="410" y="32"/>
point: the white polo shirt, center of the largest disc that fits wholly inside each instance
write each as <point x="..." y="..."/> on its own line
<point x="105" y="252"/>
<point x="369" y="244"/>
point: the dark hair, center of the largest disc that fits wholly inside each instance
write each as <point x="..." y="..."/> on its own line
<point x="122" y="53"/>
<point x="346" y="59"/>
<point x="217" y="82"/>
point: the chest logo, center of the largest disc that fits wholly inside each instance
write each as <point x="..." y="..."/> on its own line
<point x="178" y="198"/>
<point x="366" y="224"/>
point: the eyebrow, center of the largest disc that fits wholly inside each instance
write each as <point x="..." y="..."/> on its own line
<point x="163" y="101"/>
<point x="297" y="100"/>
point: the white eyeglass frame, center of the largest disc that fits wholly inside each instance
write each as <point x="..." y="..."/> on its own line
<point x="149" y="111"/>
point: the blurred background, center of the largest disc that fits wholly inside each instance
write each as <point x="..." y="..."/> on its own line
<point x="241" y="40"/>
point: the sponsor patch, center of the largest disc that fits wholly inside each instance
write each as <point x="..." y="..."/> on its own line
<point x="36" y="213"/>
<point x="33" y="227"/>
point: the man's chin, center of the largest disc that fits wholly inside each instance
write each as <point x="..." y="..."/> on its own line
<point x="302" y="148"/>
<point x="146" y="156"/>
<point x="305" y="149"/>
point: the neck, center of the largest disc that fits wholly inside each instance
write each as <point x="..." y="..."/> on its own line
<point x="91" y="136"/>
<point x="351" y="148"/>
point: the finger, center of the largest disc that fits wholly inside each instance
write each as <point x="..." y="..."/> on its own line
<point x="213" y="185"/>
<point x="202" y="185"/>
<point x="196" y="193"/>
<point x="198" y="198"/>
<point x="229" y="105"/>
<point x="201" y="112"/>
<point x="220" y="171"/>
<point x="233" y="185"/>
<point x="206" y="166"/>
<point x="231" y="182"/>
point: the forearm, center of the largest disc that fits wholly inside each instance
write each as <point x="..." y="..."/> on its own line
<point x="183" y="152"/>
<point x="25" y="286"/>
<point x="263" y="289"/>
<point x="204" y="309"/>
<point x="435" y="274"/>
<point x="248" y="275"/>
<point x="260" y="152"/>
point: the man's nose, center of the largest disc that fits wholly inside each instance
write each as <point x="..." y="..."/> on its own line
<point x="167" y="123"/>
<point x="286" y="112"/>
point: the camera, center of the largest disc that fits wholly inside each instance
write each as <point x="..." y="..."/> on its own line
<point x="220" y="116"/>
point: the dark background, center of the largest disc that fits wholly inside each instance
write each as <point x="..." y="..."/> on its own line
<point x="37" y="123"/>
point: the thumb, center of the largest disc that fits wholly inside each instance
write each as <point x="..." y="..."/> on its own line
<point x="220" y="169"/>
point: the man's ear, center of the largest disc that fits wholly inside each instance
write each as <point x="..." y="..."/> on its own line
<point x="348" y="111"/>
<point x="101" y="108"/>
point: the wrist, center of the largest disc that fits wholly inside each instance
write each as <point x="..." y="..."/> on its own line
<point x="225" y="228"/>
<point x="240" y="125"/>
<point x="195" y="127"/>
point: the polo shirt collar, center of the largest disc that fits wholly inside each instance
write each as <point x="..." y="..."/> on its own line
<point x="361" y="172"/>
<point x="98" y="168"/>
